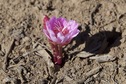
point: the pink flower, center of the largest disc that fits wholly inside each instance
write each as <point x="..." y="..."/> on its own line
<point x="59" y="30"/>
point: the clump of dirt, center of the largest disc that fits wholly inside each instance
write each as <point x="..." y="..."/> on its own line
<point x="96" y="56"/>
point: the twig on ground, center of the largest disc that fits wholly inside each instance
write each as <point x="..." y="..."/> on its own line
<point x="43" y="46"/>
<point x="9" y="79"/>
<point x="16" y="59"/>
<point x="84" y="54"/>
<point x="8" y="50"/>
<point x="25" y="54"/>
<point x="93" y="12"/>
<point x="89" y="74"/>
<point x="44" y="54"/>
<point x="21" y="70"/>
<point x="103" y="58"/>
<point x="54" y="80"/>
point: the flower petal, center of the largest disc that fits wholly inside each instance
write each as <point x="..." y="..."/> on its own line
<point x="72" y="25"/>
<point x="61" y="31"/>
<point x="51" y="22"/>
<point x="64" y="39"/>
<point x="74" y="33"/>
<point x="46" y="33"/>
<point x="60" y="36"/>
<point x="52" y="35"/>
<point x="63" y="21"/>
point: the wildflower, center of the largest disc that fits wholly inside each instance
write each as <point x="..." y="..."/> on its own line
<point x="60" y="32"/>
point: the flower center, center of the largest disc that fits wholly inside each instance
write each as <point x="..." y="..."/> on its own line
<point x="65" y="31"/>
<point x="58" y="27"/>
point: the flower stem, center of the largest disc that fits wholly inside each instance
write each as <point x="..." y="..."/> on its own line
<point x="57" y="53"/>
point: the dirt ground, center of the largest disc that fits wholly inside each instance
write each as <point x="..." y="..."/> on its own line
<point x="96" y="56"/>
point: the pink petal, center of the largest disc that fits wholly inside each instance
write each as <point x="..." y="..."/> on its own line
<point x="46" y="33"/>
<point x="61" y="20"/>
<point x="51" y="22"/>
<point x="51" y="33"/>
<point x="46" y="18"/>
<point x="61" y="31"/>
<point x="73" y="25"/>
<point x="61" y="37"/>
<point x="74" y="33"/>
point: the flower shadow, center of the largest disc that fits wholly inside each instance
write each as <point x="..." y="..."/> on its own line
<point x="99" y="43"/>
<point x="102" y="42"/>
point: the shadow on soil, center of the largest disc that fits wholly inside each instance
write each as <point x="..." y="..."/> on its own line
<point x="102" y="42"/>
<point x="99" y="43"/>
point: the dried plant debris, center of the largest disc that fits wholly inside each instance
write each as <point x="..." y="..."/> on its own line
<point x="99" y="58"/>
<point x="43" y="53"/>
<point x="88" y="74"/>
<point x="96" y="56"/>
<point x="103" y="58"/>
<point x="9" y="80"/>
<point x="8" y="49"/>
<point x="84" y="54"/>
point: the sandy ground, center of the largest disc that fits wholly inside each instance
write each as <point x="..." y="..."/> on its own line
<point x="96" y="56"/>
